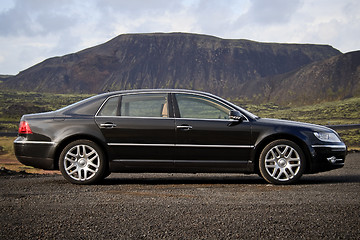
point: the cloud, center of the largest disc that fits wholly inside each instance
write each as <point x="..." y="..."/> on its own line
<point x="264" y="12"/>
<point x="137" y="15"/>
<point x="212" y="16"/>
<point x="12" y="22"/>
<point x="330" y="22"/>
<point x="33" y="30"/>
<point x="137" y="6"/>
<point x="33" y="18"/>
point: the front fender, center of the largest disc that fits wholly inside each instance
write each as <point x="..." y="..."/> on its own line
<point x="263" y="138"/>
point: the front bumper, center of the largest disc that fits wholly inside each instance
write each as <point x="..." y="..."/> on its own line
<point x="328" y="157"/>
<point x="37" y="154"/>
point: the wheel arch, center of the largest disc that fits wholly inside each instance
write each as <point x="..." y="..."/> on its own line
<point x="265" y="141"/>
<point x="76" y="137"/>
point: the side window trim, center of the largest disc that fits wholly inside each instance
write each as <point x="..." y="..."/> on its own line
<point x="119" y="106"/>
<point x="175" y="106"/>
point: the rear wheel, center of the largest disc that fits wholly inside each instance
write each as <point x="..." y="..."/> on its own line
<point x="82" y="162"/>
<point x="282" y="162"/>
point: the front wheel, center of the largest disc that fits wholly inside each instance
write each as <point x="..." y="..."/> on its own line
<point x="82" y="162"/>
<point x="282" y="162"/>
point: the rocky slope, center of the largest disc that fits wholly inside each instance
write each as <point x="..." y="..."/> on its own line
<point x="176" y="60"/>
<point x="335" y="78"/>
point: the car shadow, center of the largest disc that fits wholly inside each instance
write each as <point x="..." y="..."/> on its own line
<point x="223" y="180"/>
<point x="179" y="180"/>
<point x="316" y="179"/>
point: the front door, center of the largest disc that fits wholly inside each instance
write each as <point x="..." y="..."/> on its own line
<point x="206" y="137"/>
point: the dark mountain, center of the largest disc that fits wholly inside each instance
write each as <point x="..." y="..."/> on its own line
<point x="332" y="79"/>
<point x="176" y="60"/>
<point x="5" y="77"/>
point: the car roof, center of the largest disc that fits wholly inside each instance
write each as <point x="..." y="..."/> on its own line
<point x="102" y="96"/>
<point x="159" y="90"/>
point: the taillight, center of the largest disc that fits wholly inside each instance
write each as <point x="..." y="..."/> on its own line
<point x="24" y="128"/>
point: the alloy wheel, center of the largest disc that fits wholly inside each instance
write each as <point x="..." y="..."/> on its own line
<point x="81" y="162"/>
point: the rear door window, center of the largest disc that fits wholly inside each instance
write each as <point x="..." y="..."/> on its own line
<point x="145" y="105"/>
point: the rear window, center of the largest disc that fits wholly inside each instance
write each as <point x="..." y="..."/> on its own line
<point x="87" y="106"/>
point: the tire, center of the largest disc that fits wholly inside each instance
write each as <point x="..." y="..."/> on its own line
<point x="282" y="162"/>
<point x="82" y="162"/>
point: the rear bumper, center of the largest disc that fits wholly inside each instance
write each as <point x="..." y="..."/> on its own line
<point x="328" y="157"/>
<point x="37" y="154"/>
<point x="42" y="163"/>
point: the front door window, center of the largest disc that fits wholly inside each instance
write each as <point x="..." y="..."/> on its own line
<point x="194" y="106"/>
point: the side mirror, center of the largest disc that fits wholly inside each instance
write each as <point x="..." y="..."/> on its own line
<point x="236" y="115"/>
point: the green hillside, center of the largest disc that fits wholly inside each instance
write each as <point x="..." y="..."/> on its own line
<point x="331" y="113"/>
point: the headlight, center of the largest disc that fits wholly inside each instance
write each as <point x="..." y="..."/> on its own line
<point x="327" y="136"/>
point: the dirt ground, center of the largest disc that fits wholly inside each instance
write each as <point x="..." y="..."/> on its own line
<point x="9" y="162"/>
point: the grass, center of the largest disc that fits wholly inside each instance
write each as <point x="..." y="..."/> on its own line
<point x="8" y="127"/>
<point x="351" y="138"/>
<point x="7" y="147"/>
<point x="15" y="104"/>
<point x="329" y="113"/>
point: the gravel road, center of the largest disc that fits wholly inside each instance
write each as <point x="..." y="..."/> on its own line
<point x="183" y="206"/>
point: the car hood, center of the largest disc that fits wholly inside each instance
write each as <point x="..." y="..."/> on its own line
<point x="280" y="122"/>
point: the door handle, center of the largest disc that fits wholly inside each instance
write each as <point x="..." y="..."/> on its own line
<point x="107" y="125"/>
<point x="184" y="127"/>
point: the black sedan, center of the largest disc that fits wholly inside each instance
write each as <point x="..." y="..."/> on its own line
<point x="172" y="131"/>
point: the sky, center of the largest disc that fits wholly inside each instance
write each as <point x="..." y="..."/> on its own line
<point x="34" y="30"/>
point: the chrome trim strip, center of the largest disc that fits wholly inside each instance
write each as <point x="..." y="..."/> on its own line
<point x="34" y="142"/>
<point x="170" y="118"/>
<point x="178" y="145"/>
<point x="144" y="160"/>
<point x="180" y="161"/>
<point x="212" y="161"/>
<point x="209" y="119"/>
<point x="328" y="146"/>
<point x="215" y="146"/>
<point x="132" y="117"/>
<point x="140" y="145"/>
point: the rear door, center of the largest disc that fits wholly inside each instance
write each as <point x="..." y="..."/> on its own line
<point x="139" y="129"/>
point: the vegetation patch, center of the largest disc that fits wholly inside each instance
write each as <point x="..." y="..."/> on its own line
<point x="15" y="104"/>
<point x="7" y="146"/>
<point x="9" y="127"/>
<point x="351" y="138"/>
<point x="329" y="113"/>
